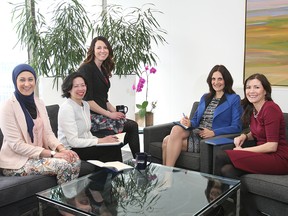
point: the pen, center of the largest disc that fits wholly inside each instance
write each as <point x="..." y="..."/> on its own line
<point x="184" y="115"/>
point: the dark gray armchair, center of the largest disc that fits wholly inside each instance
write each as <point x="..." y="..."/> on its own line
<point x="268" y="193"/>
<point x="203" y="161"/>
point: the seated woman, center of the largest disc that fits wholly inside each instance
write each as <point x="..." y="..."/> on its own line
<point x="105" y="119"/>
<point x="74" y="124"/>
<point x="30" y="146"/>
<point x="269" y="155"/>
<point x="219" y="112"/>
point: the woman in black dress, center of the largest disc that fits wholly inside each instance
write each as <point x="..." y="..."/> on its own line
<point x="97" y="69"/>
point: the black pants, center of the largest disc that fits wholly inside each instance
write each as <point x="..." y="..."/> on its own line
<point x="132" y="136"/>
<point x="103" y="153"/>
<point x="224" y="166"/>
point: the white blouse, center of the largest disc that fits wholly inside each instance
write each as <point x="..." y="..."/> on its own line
<point x="74" y="125"/>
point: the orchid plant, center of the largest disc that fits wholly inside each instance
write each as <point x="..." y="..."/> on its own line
<point x="144" y="79"/>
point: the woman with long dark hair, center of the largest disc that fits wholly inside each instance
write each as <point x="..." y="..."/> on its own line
<point x="97" y="69"/>
<point x="269" y="155"/>
<point x="219" y="112"/>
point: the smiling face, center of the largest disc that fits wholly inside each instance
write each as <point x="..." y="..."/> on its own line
<point x="101" y="51"/>
<point x="255" y="91"/>
<point x="26" y="83"/>
<point x="78" y="90"/>
<point x="218" y="82"/>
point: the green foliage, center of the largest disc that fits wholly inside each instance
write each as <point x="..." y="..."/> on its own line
<point x="142" y="108"/>
<point x="131" y="32"/>
<point x="56" y="50"/>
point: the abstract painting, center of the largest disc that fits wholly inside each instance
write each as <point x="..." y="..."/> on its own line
<point x="266" y="42"/>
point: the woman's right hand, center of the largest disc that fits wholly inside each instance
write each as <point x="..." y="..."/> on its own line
<point x="108" y="139"/>
<point x="67" y="155"/>
<point x="185" y="121"/>
<point x="238" y="141"/>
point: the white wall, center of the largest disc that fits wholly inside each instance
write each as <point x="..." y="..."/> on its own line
<point x="200" y="35"/>
<point x="10" y="54"/>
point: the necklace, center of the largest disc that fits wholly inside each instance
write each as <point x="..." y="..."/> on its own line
<point x="254" y="110"/>
<point x="256" y="114"/>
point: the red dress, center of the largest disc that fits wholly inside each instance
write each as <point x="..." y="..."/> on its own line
<point x="268" y="126"/>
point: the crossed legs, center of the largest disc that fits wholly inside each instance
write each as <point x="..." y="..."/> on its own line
<point x="173" y="144"/>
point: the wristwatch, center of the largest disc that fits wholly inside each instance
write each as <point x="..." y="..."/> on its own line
<point x="52" y="153"/>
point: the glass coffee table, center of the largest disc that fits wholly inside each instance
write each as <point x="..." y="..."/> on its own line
<point x="158" y="190"/>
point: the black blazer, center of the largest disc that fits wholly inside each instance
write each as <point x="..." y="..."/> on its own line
<point x="97" y="84"/>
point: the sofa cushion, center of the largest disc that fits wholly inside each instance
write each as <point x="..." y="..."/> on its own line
<point x="15" y="188"/>
<point x="271" y="186"/>
<point x="26" y="186"/>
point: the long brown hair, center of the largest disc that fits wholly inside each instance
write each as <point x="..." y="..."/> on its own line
<point x="247" y="105"/>
<point x="108" y="65"/>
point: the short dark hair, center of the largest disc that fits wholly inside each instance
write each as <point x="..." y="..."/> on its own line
<point x="226" y="76"/>
<point x="68" y="83"/>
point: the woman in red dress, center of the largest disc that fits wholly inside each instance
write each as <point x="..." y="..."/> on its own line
<point x="269" y="155"/>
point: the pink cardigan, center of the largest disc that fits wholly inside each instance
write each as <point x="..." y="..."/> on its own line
<point x="17" y="147"/>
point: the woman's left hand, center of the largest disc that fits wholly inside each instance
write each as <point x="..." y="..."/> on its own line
<point x="206" y="133"/>
<point x="117" y="115"/>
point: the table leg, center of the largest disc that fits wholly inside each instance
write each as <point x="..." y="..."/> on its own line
<point x="40" y="211"/>
<point x="238" y="203"/>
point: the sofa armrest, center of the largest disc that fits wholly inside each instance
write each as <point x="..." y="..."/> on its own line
<point x="208" y="153"/>
<point x="156" y="134"/>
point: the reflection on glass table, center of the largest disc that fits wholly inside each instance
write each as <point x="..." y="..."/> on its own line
<point x="158" y="190"/>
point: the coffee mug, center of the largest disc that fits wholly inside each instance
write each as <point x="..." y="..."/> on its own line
<point x="143" y="160"/>
<point x="122" y="108"/>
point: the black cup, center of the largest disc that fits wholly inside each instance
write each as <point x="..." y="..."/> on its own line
<point x="143" y="160"/>
<point x="122" y="108"/>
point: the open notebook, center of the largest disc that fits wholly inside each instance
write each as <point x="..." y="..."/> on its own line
<point x="120" y="140"/>
<point x="113" y="165"/>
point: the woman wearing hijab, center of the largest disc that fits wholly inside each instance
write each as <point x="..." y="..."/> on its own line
<point x="29" y="145"/>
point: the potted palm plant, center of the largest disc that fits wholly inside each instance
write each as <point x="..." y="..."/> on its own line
<point x="56" y="47"/>
<point x="132" y="33"/>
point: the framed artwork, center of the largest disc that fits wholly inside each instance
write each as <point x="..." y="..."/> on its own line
<point x="266" y="40"/>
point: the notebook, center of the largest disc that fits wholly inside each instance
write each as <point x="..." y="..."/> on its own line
<point x="113" y="165"/>
<point x="120" y="137"/>
<point x="220" y="141"/>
